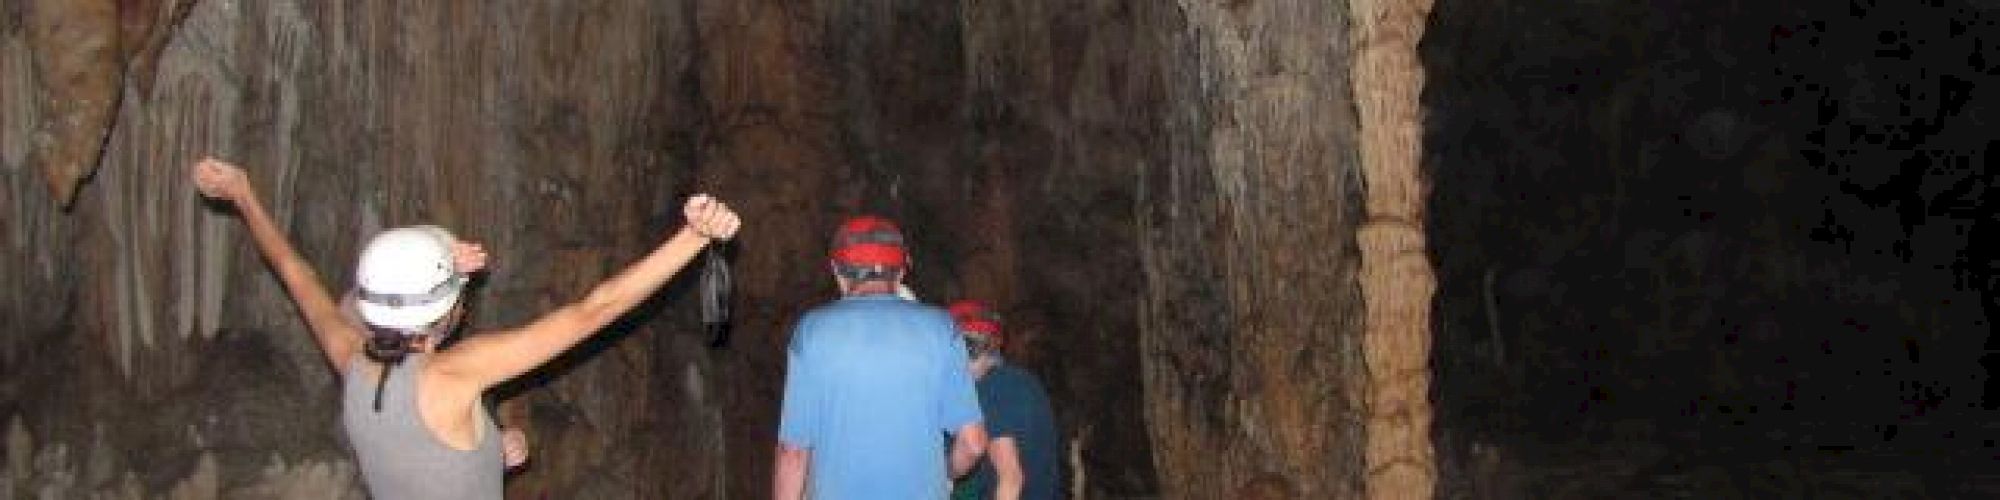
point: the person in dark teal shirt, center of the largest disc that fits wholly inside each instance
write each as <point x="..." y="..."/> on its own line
<point x="1021" y="456"/>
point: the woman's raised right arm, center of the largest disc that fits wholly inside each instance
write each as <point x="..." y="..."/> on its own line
<point x="338" y="338"/>
<point x="486" y="360"/>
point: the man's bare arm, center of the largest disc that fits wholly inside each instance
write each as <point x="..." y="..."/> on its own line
<point x="788" y="479"/>
<point x="968" y="444"/>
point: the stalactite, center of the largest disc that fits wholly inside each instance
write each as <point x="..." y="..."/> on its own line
<point x="144" y="28"/>
<point x="27" y="226"/>
<point x="79" y="70"/>
<point x="214" y="253"/>
<point x="152" y="217"/>
<point x="34" y="263"/>
<point x="18" y="113"/>
<point x="187" y="290"/>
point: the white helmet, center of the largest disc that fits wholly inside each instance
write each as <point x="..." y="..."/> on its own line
<point x="406" y="278"/>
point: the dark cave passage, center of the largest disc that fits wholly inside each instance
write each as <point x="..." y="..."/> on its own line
<point x="1686" y="248"/>
<point x="1716" y="246"/>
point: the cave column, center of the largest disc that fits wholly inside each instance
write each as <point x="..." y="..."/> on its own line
<point x="1397" y="281"/>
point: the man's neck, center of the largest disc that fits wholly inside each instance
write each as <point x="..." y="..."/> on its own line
<point x="991" y="362"/>
<point x="871" y="288"/>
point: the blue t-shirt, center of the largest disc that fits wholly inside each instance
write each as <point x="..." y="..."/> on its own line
<point x="1017" y="407"/>
<point x="872" y="382"/>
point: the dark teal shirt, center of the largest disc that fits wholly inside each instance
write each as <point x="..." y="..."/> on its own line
<point x="1017" y="407"/>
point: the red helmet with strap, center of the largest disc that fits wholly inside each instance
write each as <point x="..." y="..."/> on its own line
<point x="869" y="242"/>
<point x="976" y="319"/>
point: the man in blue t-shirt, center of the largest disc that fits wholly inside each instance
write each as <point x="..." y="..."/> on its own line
<point x="1021" y="457"/>
<point x="873" y="380"/>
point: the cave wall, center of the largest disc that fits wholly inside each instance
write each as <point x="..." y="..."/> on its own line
<point x="1162" y="198"/>
<point x="1251" y="320"/>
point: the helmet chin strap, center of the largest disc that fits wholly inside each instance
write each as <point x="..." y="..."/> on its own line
<point x="381" y="384"/>
<point x="389" y="347"/>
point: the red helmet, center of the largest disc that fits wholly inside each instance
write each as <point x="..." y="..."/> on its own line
<point x="975" y="318"/>
<point x="869" y="241"/>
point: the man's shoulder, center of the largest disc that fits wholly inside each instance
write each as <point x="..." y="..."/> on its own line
<point x="873" y="304"/>
<point x="816" y="312"/>
<point x="1016" y="374"/>
<point x="1018" y="380"/>
<point x="870" y="314"/>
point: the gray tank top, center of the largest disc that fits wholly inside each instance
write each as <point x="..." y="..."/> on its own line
<point x="399" y="458"/>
